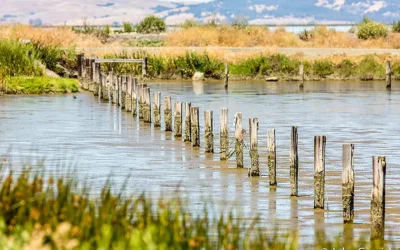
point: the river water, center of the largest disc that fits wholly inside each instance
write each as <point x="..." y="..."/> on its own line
<point x="96" y="141"/>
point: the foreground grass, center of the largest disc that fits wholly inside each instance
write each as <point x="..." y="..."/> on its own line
<point x="39" y="85"/>
<point x="38" y="213"/>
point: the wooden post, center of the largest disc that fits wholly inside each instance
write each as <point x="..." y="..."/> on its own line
<point x="188" y="128"/>
<point x="388" y="75"/>
<point x="128" y="97"/>
<point x="294" y="163"/>
<point x="79" y="64"/>
<point x="223" y="135"/>
<point x="144" y="68"/>
<point x="134" y="97"/>
<point x="119" y="80"/>
<point x="168" y="114"/>
<point x="301" y="73"/>
<point x="115" y="89"/>
<point x="239" y="138"/>
<point x="123" y="91"/>
<point x="271" y="157"/>
<point x="348" y="183"/>
<point x="100" y="84"/>
<point x="254" y="170"/>
<point x="319" y="171"/>
<point x="194" y="113"/>
<point x="146" y="105"/>
<point x="178" y="119"/>
<point x="140" y="100"/>
<point x="157" y="109"/>
<point x="378" y="198"/>
<point x="105" y="87"/>
<point x="209" y="136"/>
<point x="226" y="75"/>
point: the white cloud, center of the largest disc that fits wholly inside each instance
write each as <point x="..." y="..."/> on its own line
<point x="259" y="8"/>
<point x="391" y="14"/>
<point x="376" y="6"/>
<point x="178" y="18"/>
<point x="336" y="5"/>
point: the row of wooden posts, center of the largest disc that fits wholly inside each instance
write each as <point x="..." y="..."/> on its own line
<point x="126" y="92"/>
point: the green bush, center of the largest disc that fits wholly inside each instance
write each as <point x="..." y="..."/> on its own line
<point x="128" y="27"/>
<point x="151" y="24"/>
<point x="323" y="68"/>
<point x="345" y="68"/>
<point x="396" y="27"/>
<point x="370" y="67"/>
<point x="369" y="29"/>
<point x="190" y="23"/>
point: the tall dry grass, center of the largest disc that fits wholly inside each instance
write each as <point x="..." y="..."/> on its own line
<point x="55" y="36"/>
<point x="256" y="36"/>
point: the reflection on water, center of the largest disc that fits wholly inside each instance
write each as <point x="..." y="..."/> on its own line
<point x="98" y="139"/>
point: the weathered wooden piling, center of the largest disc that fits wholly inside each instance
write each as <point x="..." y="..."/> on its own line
<point x="123" y="91"/>
<point x="86" y="76"/>
<point x="140" y="100"/>
<point x="144" y="68"/>
<point x="348" y="183"/>
<point x="188" y="128"/>
<point x="119" y="81"/>
<point x="128" y="96"/>
<point x="157" y="109"/>
<point x="195" y="124"/>
<point x="79" y="64"/>
<point x="271" y="156"/>
<point x="254" y="170"/>
<point x="301" y="73"/>
<point x="226" y="75"/>
<point x="223" y="135"/>
<point x="105" y="95"/>
<point x="100" y="89"/>
<point x="178" y="119"/>
<point x="294" y="162"/>
<point x="134" y="97"/>
<point x="239" y="138"/>
<point x="146" y="105"/>
<point x="319" y="171"/>
<point x="168" y="114"/>
<point x="115" y="89"/>
<point x="209" y="134"/>
<point x="96" y="80"/>
<point x="378" y="198"/>
<point x="388" y="75"/>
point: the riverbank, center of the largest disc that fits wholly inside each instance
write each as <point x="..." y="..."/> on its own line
<point x="39" y="85"/>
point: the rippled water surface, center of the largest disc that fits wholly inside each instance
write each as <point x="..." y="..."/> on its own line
<point x="98" y="141"/>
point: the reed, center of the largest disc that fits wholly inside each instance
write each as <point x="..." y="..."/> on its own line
<point x="39" y="85"/>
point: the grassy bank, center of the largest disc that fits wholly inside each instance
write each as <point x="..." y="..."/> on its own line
<point x="39" y="85"/>
<point x="370" y="67"/>
<point x="54" y="213"/>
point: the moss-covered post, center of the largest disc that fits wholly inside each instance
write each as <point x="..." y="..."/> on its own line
<point x="188" y="128"/>
<point x="178" y="119"/>
<point x="271" y="157"/>
<point x="140" y="100"/>
<point x="134" y="97"/>
<point x="119" y="80"/>
<point x="209" y="134"/>
<point x="223" y="135"/>
<point x="254" y="170"/>
<point x="388" y="75"/>
<point x="105" y="87"/>
<point x="301" y="73"/>
<point x="144" y="68"/>
<point x="195" y="124"/>
<point x="79" y="64"/>
<point x="147" y="105"/>
<point x="115" y="89"/>
<point x="97" y="72"/>
<point x="128" y="97"/>
<point x="348" y="183"/>
<point x="319" y="171"/>
<point x="239" y="138"/>
<point x="86" y="74"/>
<point x="168" y="114"/>
<point x="226" y="75"/>
<point x="294" y="163"/>
<point x="378" y="198"/>
<point x="123" y="91"/>
<point x="157" y="109"/>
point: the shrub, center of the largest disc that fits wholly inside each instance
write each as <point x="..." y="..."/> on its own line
<point x="151" y="24"/>
<point x="345" y="68"/>
<point x="190" y="23"/>
<point x="396" y="27"/>
<point x="306" y="35"/>
<point x="128" y="27"/>
<point x="369" y="29"/>
<point x="370" y="67"/>
<point x="107" y="30"/>
<point x="323" y="68"/>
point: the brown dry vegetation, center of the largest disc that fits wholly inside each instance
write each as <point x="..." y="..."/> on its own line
<point x="57" y="36"/>
<point x="256" y="36"/>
